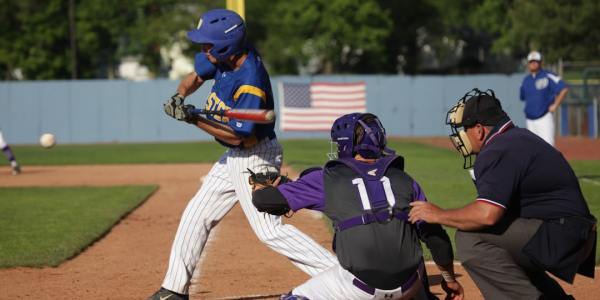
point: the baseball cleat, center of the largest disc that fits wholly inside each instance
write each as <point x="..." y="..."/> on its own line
<point x="16" y="169"/>
<point x="164" y="294"/>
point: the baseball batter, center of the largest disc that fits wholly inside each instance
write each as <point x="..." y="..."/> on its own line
<point x="366" y="194"/>
<point x="241" y="81"/>
<point x="14" y="165"/>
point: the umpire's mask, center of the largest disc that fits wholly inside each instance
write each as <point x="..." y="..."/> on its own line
<point x="475" y="107"/>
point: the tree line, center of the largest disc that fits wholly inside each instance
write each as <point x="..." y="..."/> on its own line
<point x="61" y="39"/>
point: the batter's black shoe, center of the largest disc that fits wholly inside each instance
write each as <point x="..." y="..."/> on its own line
<point x="164" y="294"/>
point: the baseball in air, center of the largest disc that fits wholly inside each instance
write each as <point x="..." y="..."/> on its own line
<point x="47" y="140"/>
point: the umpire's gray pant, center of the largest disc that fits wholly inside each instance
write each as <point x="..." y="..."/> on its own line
<point x="494" y="260"/>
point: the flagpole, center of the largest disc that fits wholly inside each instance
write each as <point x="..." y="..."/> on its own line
<point x="238" y="6"/>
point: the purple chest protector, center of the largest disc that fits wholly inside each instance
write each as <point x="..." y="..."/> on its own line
<point x="375" y="190"/>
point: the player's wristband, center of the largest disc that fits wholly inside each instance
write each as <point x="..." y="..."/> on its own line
<point x="178" y="98"/>
<point x="448" y="277"/>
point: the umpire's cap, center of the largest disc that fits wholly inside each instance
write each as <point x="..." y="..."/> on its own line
<point x="483" y="108"/>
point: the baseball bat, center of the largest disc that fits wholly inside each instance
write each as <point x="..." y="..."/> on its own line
<point x="260" y="116"/>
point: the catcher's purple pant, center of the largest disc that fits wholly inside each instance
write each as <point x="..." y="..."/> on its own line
<point x="226" y="184"/>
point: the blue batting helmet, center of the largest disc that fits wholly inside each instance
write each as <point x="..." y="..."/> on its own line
<point x="360" y="133"/>
<point x="222" y="28"/>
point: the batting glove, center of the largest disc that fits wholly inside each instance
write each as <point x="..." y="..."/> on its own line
<point x="171" y="104"/>
<point x="184" y="113"/>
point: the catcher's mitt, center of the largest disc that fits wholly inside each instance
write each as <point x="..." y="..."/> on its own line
<point x="262" y="180"/>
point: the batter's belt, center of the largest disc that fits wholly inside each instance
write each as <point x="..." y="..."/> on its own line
<point x="248" y="142"/>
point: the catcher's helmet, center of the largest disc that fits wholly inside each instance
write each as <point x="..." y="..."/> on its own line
<point x="222" y="28"/>
<point x="360" y="133"/>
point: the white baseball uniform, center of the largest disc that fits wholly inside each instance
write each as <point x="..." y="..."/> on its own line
<point x="9" y="155"/>
<point x="337" y="283"/>
<point x="2" y="141"/>
<point x="226" y="184"/>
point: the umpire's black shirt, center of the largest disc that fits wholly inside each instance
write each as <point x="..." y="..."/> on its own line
<point x="520" y="172"/>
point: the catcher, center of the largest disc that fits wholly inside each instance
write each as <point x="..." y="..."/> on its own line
<point x="366" y="194"/>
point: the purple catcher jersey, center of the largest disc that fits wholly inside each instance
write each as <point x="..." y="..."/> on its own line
<point x="309" y="191"/>
<point x="366" y="202"/>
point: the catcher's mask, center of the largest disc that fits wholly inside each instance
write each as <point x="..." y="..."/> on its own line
<point x="475" y="107"/>
<point x="360" y="133"/>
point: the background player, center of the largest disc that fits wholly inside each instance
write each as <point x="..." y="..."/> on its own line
<point x="529" y="216"/>
<point x="14" y="165"/>
<point x="542" y="92"/>
<point x="241" y="81"/>
<point x="366" y="194"/>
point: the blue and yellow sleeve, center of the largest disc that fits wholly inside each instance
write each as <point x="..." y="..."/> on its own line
<point x="247" y="97"/>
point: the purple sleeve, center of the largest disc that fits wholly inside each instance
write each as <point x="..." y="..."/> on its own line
<point x="306" y="192"/>
<point x="418" y="193"/>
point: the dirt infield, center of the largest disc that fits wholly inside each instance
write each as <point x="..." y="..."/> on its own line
<point x="130" y="261"/>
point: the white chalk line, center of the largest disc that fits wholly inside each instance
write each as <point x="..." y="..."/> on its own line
<point x="587" y="180"/>
<point x="251" y="297"/>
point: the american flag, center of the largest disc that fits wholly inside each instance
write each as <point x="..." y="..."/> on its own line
<point x="314" y="106"/>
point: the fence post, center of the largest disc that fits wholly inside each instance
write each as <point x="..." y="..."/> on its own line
<point x="564" y="120"/>
<point x="594" y="119"/>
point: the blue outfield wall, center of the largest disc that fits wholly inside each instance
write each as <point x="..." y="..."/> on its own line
<point x="105" y="111"/>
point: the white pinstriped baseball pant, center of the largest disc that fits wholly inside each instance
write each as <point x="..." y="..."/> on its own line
<point x="336" y="283"/>
<point x="226" y="184"/>
<point x="2" y="142"/>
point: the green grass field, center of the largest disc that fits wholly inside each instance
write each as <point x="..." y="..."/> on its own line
<point x="119" y="153"/>
<point x="439" y="171"/>
<point x="45" y="226"/>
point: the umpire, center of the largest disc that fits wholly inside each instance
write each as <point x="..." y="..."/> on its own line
<point x="529" y="215"/>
